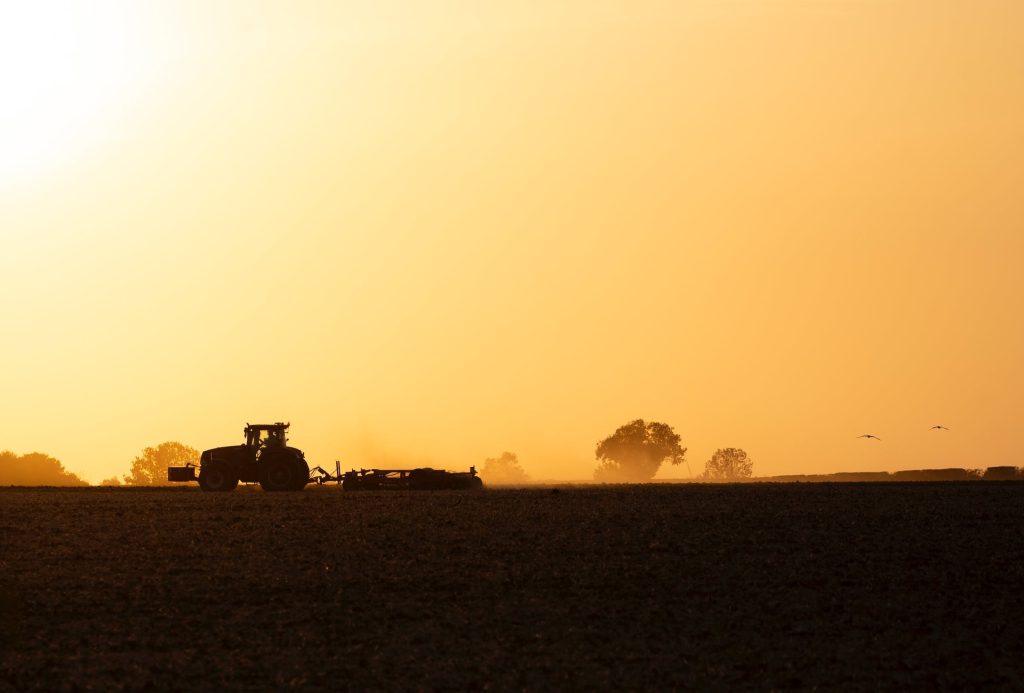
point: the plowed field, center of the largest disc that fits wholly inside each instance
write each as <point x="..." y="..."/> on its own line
<point x="760" y="586"/>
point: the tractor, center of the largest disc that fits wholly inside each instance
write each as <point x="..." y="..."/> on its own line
<point x="265" y="457"/>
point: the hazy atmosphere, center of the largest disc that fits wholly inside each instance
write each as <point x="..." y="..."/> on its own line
<point x="433" y="232"/>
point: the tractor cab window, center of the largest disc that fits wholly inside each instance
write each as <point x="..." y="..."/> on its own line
<point x="259" y="437"/>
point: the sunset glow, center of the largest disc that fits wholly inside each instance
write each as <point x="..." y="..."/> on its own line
<point x="427" y="232"/>
<point x="66" y="69"/>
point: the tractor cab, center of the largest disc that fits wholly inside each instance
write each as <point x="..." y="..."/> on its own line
<point x="258" y="436"/>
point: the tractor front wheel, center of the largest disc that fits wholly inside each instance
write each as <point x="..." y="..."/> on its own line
<point x="216" y="476"/>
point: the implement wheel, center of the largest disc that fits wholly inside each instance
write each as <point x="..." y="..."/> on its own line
<point x="217" y="477"/>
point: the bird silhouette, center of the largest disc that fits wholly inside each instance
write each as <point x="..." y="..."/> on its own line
<point x="938" y="428"/>
<point x="868" y="435"/>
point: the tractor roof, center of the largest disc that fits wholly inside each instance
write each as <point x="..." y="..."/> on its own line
<point x="279" y="424"/>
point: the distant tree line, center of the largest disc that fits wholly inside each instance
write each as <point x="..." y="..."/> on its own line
<point x="635" y="452"/>
<point x="729" y="464"/>
<point x="1002" y="473"/>
<point x="34" y="469"/>
<point x="503" y="470"/>
<point x="148" y="469"/>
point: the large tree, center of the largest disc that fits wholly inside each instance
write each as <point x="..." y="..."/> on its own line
<point x="150" y="468"/>
<point x="729" y="463"/>
<point x="635" y="452"/>
<point x="503" y="470"/>
<point x="34" y="469"/>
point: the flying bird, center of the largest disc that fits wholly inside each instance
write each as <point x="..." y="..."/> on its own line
<point x="938" y="428"/>
<point x="868" y="435"/>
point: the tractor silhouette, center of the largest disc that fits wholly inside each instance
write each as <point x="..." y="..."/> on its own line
<point x="265" y="457"/>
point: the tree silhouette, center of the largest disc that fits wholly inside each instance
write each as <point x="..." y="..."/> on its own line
<point x="112" y="481"/>
<point x="35" y="469"/>
<point x="635" y="452"/>
<point x="150" y="468"/>
<point x="729" y="463"/>
<point x="503" y="470"/>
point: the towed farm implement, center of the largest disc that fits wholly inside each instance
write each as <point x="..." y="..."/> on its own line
<point x="266" y="458"/>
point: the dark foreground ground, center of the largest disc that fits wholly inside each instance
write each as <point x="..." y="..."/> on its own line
<point x="759" y="586"/>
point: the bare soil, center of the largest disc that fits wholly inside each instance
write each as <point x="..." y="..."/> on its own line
<point x="760" y="586"/>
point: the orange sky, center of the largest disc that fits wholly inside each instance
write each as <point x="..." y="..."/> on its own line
<point x="434" y="231"/>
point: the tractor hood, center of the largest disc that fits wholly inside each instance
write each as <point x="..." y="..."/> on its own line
<point x="222" y="453"/>
<point x="239" y="452"/>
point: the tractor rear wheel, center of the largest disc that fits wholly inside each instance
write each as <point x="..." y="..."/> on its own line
<point x="217" y="477"/>
<point x="301" y="474"/>
<point x="279" y="474"/>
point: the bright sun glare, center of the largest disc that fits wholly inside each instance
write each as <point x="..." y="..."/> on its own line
<point x="65" y="65"/>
